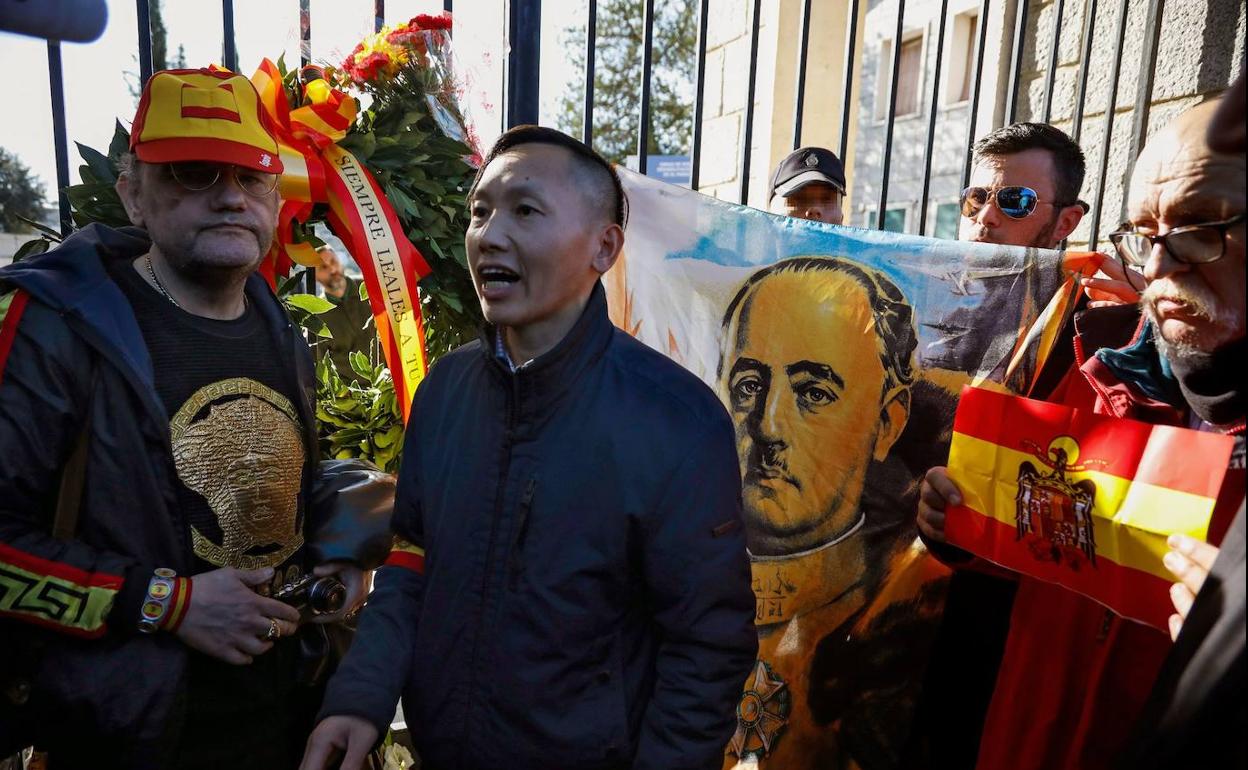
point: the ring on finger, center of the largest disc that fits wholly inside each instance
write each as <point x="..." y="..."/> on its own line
<point x="274" y="631"/>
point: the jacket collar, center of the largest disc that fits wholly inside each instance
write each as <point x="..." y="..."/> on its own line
<point x="72" y="280"/>
<point x="1135" y="381"/>
<point x="1141" y="365"/>
<point x="543" y="382"/>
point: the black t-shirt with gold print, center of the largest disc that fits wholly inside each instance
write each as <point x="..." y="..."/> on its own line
<point x="238" y="449"/>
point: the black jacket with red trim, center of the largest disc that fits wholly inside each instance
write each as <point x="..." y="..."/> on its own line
<point x="585" y="597"/>
<point x="72" y="355"/>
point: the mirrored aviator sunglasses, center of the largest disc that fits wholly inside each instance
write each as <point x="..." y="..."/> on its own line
<point x="198" y="176"/>
<point x="1015" y="202"/>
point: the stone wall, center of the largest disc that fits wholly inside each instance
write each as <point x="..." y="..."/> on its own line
<point x="1200" y="52"/>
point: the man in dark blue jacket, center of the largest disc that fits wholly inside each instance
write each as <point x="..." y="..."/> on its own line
<point x="570" y="587"/>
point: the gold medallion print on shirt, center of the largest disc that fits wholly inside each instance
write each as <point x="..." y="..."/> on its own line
<point x="237" y="443"/>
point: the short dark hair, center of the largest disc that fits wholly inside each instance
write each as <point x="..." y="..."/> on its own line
<point x="595" y="169"/>
<point x="894" y="318"/>
<point x="1068" y="162"/>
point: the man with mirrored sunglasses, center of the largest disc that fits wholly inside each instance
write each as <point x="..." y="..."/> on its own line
<point x="160" y="455"/>
<point x="1024" y="189"/>
<point x="1075" y="675"/>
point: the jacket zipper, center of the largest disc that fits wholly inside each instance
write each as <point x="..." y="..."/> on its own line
<point x="500" y="497"/>
<point x="516" y="565"/>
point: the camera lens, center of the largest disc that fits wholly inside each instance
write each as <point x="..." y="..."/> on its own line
<point x="326" y="595"/>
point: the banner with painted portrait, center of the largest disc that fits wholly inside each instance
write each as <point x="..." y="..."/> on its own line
<point x="839" y="353"/>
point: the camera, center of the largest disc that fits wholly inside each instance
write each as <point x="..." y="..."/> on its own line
<point x="313" y="596"/>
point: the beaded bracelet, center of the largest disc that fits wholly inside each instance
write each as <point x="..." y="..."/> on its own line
<point x="168" y="597"/>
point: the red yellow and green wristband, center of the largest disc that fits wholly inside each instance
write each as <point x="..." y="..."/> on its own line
<point x="164" y="607"/>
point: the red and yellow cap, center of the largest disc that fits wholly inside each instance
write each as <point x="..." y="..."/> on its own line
<point x="211" y="115"/>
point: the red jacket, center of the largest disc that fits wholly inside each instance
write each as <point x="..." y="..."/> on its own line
<point x="1075" y="676"/>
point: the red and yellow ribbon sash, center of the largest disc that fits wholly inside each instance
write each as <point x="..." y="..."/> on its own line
<point x="317" y="170"/>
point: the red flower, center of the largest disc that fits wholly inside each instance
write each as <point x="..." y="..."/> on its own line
<point x="428" y="22"/>
<point x="404" y="35"/>
<point x="348" y="64"/>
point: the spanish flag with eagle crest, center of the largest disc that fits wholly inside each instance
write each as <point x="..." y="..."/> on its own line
<point x="1080" y="499"/>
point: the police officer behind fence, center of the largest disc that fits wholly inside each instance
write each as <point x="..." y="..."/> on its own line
<point x="809" y="184"/>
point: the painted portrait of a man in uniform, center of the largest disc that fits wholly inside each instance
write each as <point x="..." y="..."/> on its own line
<point x="839" y="354"/>
<point x="816" y="370"/>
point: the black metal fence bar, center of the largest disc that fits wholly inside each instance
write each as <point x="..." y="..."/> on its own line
<point x="448" y="6"/>
<point x="931" y="119"/>
<point x="972" y="116"/>
<point x="379" y="15"/>
<point x="523" y="61"/>
<point x="1111" y="105"/>
<point x="699" y="102"/>
<point x="894" y="74"/>
<point x="305" y="33"/>
<point x="591" y="41"/>
<point x="1050" y="74"/>
<point x="1143" y="92"/>
<point x="144" y="16"/>
<point x="56" y="81"/>
<point x="748" y="133"/>
<point x="1089" y="29"/>
<point x="647" y="63"/>
<point x="305" y="58"/>
<point x="803" y="52"/>
<point x="229" y="49"/>
<point x="850" y="50"/>
<point x="1016" y="59"/>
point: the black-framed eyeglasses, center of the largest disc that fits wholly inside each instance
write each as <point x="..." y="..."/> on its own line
<point x="198" y="176"/>
<point x="1015" y="201"/>
<point x="1197" y="244"/>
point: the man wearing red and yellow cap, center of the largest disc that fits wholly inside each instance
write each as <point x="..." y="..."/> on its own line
<point x="160" y="459"/>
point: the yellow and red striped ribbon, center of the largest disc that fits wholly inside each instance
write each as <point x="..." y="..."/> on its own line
<point x="317" y="170"/>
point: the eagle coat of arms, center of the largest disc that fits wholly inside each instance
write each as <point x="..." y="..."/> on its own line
<point x="1052" y="513"/>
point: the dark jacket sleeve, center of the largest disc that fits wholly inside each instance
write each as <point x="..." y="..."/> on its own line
<point x="350" y="512"/>
<point x="63" y="585"/>
<point x="371" y="678"/>
<point x="698" y="576"/>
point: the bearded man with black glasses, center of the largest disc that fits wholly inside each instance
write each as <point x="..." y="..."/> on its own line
<point x="1075" y="676"/>
<point x="159" y="446"/>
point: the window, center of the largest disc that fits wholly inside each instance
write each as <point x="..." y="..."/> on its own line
<point x="947" y="215"/>
<point x="962" y="48"/>
<point x="909" y="80"/>
<point x="895" y="220"/>
<point x="908" y="83"/>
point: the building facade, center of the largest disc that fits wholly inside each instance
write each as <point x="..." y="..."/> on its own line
<point x="1199" y="50"/>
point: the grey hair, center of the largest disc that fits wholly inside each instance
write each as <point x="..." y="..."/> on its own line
<point x="127" y="164"/>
